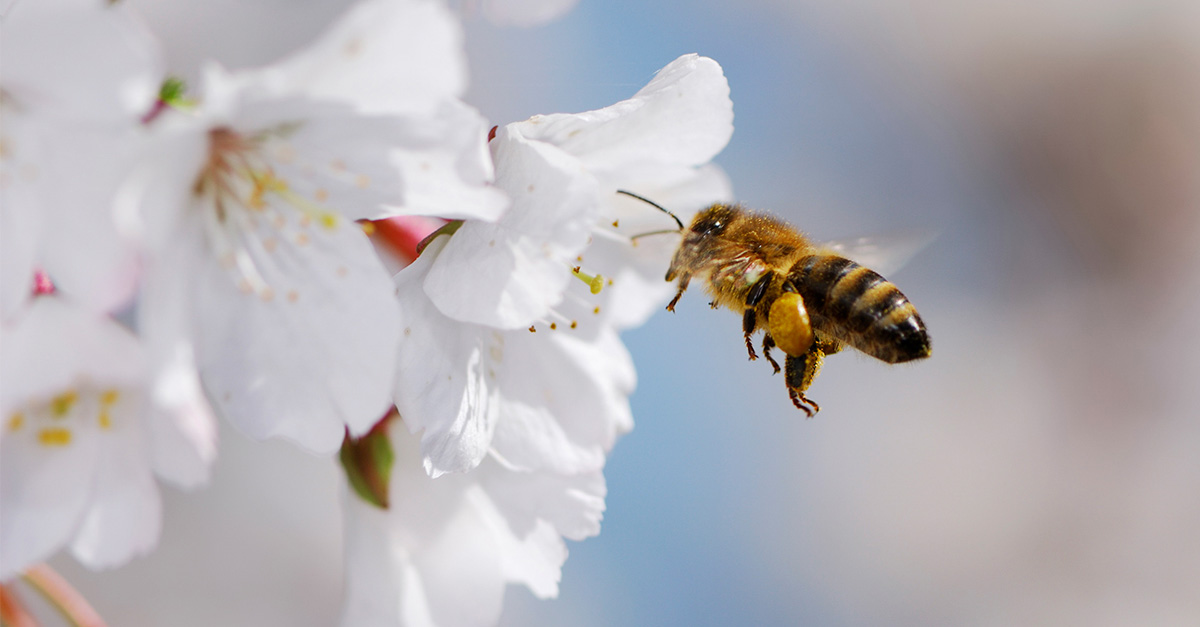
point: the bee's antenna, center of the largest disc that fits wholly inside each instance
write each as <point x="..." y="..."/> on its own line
<point x="653" y="204"/>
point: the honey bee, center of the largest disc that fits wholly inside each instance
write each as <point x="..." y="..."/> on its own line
<point x="809" y="300"/>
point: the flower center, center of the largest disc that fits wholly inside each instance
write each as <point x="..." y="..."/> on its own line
<point x="249" y="210"/>
<point x="53" y="422"/>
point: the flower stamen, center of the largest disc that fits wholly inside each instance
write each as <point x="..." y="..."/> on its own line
<point x="595" y="283"/>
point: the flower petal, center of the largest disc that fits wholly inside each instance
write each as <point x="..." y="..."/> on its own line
<point x="443" y="384"/>
<point x="683" y="116"/>
<point x="563" y="401"/>
<point x="80" y="61"/>
<point x="125" y="514"/>
<point x="382" y="56"/>
<point x="510" y="273"/>
<point x="308" y="350"/>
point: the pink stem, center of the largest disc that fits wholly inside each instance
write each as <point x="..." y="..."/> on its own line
<point x="66" y="599"/>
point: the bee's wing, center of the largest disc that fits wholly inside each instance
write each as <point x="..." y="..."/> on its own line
<point x="884" y="254"/>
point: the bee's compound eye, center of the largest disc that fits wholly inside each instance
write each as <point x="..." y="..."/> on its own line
<point x="789" y="326"/>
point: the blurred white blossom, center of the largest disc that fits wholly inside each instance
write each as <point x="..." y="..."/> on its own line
<point x="77" y="77"/>
<point x="81" y="423"/>
<point x="254" y="197"/>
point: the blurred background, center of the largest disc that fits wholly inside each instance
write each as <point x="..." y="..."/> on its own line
<point x="1041" y="468"/>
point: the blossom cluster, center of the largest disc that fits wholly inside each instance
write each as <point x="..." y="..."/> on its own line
<point x="174" y="255"/>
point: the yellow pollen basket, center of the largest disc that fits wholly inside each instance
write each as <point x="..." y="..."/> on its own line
<point x="789" y="325"/>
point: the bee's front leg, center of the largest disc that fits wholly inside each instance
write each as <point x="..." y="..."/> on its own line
<point x="683" y="285"/>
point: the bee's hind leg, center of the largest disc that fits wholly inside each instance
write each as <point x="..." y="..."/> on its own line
<point x="767" y="344"/>
<point x="799" y="373"/>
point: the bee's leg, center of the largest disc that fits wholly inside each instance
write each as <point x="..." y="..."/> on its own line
<point x="750" y="318"/>
<point x="683" y="285"/>
<point x="749" y="321"/>
<point x="767" y="345"/>
<point x="799" y="373"/>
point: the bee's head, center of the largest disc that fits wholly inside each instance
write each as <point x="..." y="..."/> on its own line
<point x="711" y="221"/>
<point x="700" y="239"/>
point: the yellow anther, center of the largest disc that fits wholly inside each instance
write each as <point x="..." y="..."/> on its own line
<point x="328" y="220"/>
<point x="16" y="421"/>
<point x="61" y="405"/>
<point x="54" y="436"/>
<point x="105" y="419"/>
<point x="109" y="397"/>
<point x="368" y="227"/>
<point x="595" y="283"/>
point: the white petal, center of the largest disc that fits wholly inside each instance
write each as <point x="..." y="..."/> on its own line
<point x="22" y="208"/>
<point x="77" y="61"/>
<point x="432" y="559"/>
<point x="562" y="401"/>
<point x="84" y="254"/>
<point x="510" y="273"/>
<point x="311" y="349"/>
<point x="52" y="349"/>
<point x="444" y="552"/>
<point x="125" y="514"/>
<point x="371" y="167"/>
<point x="572" y="505"/>
<point x="683" y="116"/>
<point x="183" y="433"/>
<point x="45" y="492"/>
<point x="382" y="56"/>
<point x="53" y="345"/>
<point x="444" y="386"/>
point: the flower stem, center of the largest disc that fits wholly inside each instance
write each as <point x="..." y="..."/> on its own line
<point x="12" y="613"/>
<point x="62" y="596"/>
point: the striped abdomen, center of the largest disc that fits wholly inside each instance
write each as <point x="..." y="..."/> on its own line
<point x="854" y="304"/>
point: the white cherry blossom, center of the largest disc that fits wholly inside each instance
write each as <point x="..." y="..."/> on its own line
<point x="81" y="423"/>
<point x="445" y="550"/>
<point x="77" y="77"/>
<point x="247" y="207"/>
<point x="563" y="171"/>
<point x="535" y="400"/>
<point x="490" y="282"/>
